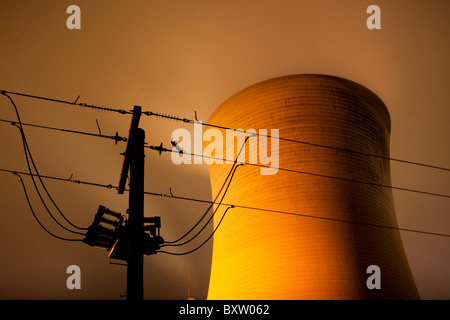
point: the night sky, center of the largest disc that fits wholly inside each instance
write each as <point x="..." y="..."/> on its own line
<point x="181" y="57"/>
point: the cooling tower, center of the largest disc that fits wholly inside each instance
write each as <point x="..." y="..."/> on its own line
<point x="320" y="229"/>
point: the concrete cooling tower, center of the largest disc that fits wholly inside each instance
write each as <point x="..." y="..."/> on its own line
<point x="324" y="248"/>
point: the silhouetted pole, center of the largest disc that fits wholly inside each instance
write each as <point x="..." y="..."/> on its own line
<point x="135" y="271"/>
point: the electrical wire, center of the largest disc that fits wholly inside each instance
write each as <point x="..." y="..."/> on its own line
<point x="115" y="138"/>
<point x="163" y="195"/>
<point x="28" y="157"/>
<point x="355" y="181"/>
<point x="298" y="214"/>
<point x="161" y="149"/>
<point x="81" y="182"/>
<point x="40" y="196"/>
<point x="172" y="243"/>
<point x="190" y="121"/>
<point x="230" y="173"/>
<point x="74" y="103"/>
<point x="225" y="128"/>
<point x="309" y="173"/>
<point x="34" y="215"/>
<point x="193" y="250"/>
<point x="210" y="218"/>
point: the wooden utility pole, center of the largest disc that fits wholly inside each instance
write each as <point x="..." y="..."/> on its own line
<point x="135" y="271"/>
<point x="134" y="162"/>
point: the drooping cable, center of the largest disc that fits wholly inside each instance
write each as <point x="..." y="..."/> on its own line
<point x="230" y="173"/>
<point x="28" y="154"/>
<point x="28" y="157"/>
<point x="34" y="215"/>
<point x="210" y="218"/>
<point x="201" y="245"/>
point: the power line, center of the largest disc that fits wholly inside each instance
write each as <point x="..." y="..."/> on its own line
<point x="221" y="127"/>
<point x="209" y="220"/>
<point x="201" y="245"/>
<point x="357" y="181"/>
<point x="190" y="121"/>
<point x="34" y="215"/>
<point x="109" y="186"/>
<point x="172" y="196"/>
<point x="296" y="214"/>
<point x="229" y="176"/>
<point x="28" y="157"/>
<point x="40" y="196"/>
<point x="70" y="179"/>
<point x="116" y="138"/>
<point x="73" y="103"/>
<point x="212" y="216"/>
<point x="162" y="149"/>
<point x="172" y="243"/>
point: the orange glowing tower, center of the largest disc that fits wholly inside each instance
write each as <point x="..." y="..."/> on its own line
<point x="313" y="254"/>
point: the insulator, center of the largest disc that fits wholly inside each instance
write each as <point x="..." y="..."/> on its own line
<point x="155" y="220"/>
<point x="98" y="241"/>
<point x="115" y="214"/>
<point x="105" y="230"/>
<point x="111" y="222"/>
<point x="99" y="215"/>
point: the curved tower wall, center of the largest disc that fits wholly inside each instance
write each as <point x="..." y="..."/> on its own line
<point x="270" y="255"/>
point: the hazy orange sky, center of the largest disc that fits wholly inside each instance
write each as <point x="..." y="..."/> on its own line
<point x="178" y="57"/>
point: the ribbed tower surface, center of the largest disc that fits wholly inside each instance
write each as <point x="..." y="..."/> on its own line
<point x="324" y="250"/>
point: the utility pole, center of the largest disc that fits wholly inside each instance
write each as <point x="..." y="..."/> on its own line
<point x="135" y="271"/>
<point x="130" y="241"/>
<point x="134" y="162"/>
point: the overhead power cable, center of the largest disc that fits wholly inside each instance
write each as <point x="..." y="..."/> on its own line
<point x="295" y="214"/>
<point x="172" y="196"/>
<point x="116" y="138"/>
<point x="162" y="149"/>
<point x="230" y="177"/>
<point x="34" y="215"/>
<point x="201" y="245"/>
<point x="70" y="179"/>
<point x="73" y="103"/>
<point x="190" y="121"/>
<point x="27" y="151"/>
<point x="210" y="218"/>
<point x="28" y="158"/>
